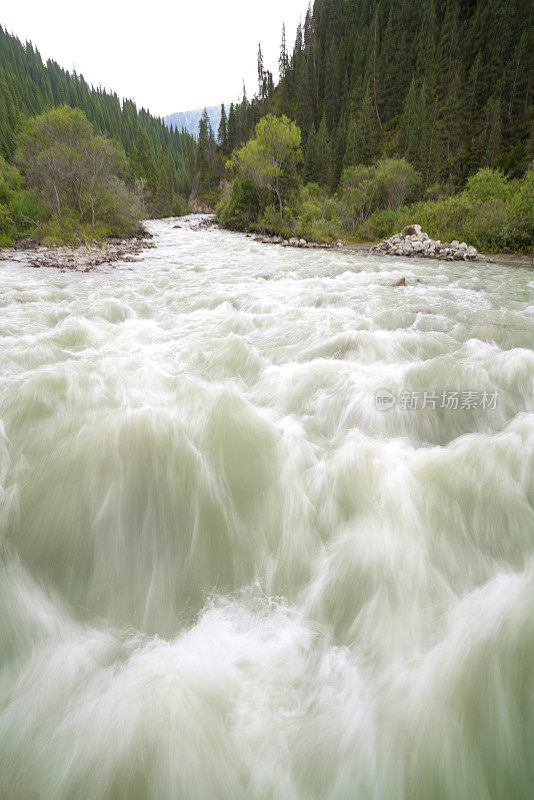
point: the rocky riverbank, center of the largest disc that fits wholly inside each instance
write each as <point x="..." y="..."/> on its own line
<point x="296" y="242"/>
<point x="79" y="259"/>
<point x="413" y="242"/>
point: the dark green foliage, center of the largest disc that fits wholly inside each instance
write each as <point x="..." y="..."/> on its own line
<point x="318" y="155"/>
<point x="10" y="190"/>
<point x="362" y="134"/>
<point x="142" y="162"/>
<point x="492" y="131"/>
<point x="240" y="204"/>
<point x="222" y="133"/>
<point x="446" y="84"/>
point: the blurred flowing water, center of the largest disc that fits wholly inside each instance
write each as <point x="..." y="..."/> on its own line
<point x="224" y="572"/>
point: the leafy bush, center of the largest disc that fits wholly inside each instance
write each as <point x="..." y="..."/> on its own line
<point x="274" y="222"/>
<point x="398" y="181"/>
<point x="366" y="189"/>
<point x="489" y="184"/>
<point x="359" y="194"/>
<point x="75" y="179"/>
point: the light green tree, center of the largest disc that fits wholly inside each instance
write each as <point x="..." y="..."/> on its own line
<point x="270" y="160"/>
<point x="75" y="170"/>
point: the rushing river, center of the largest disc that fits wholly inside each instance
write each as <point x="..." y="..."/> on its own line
<point x="266" y="526"/>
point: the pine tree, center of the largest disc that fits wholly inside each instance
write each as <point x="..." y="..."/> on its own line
<point x="338" y="148"/>
<point x="426" y="44"/>
<point x="308" y="36"/>
<point x="519" y="77"/>
<point x="488" y="141"/>
<point x="166" y="181"/>
<point x="332" y="87"/>
<point x="416" y="127"/>
<point x="493" y="148"/>
<point x="362" y="134"/>
<point x="297" y="48"/>
<point x="283" y="61"/>
<point x="311" y="160"/>
<point x="222" y="133"/>
<point x="261" y="74"/>
<point x="473" y="95"/>
<point x="304" y="101"/>
<point x="203" y="136"/>
<point x="323" y="154"/>
<point x="232" y="129"/>
<point x="447" y="47"/>
<point x="374" y="66"/>
<point x="451" y="124"/>
<point x="142" y="161"/>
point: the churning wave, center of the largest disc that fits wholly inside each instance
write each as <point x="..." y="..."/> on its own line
<point x="225" y="570"/>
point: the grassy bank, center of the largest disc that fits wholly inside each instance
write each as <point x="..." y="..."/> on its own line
<point x="492" y="213"/>
<point x="265" y="194"/>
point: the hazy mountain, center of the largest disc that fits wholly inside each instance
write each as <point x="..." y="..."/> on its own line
<point x="190" y="119"/>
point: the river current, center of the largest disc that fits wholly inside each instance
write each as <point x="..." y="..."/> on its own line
<point x="266" y="526"/>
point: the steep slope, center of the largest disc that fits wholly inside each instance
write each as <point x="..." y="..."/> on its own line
<point x="448" y="84"/>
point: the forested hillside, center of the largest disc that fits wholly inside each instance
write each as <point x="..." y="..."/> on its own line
<point x="403" y="109"/>
<point x="448" y="84"/>
<point x="28" y="87"/>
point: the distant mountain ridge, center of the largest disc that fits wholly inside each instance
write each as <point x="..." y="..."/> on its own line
<point x="191" y="119"/>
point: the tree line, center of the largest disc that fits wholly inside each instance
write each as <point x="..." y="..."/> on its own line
<point x="446" y="84"/>
<point x="395" y="102"/>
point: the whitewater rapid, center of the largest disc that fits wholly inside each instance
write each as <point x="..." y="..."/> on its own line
<point x="238" y="557"/>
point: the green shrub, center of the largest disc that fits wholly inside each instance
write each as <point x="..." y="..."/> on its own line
<point x="489" y="184"/>
<point x="366" y="189"/>
<point x="380" y="225"/>
<point x="398" y="182"/>
<point x="7" y="228"/>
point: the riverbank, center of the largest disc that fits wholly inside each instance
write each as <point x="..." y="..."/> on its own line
<point x="510" y="259"/>
<point x="492" y="214"/>
<point x="88" y="257"/>
<point x="82" y="258"/>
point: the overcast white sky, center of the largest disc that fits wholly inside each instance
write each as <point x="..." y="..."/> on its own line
<point x="167" y="56"/>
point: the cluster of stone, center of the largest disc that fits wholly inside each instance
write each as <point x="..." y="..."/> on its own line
<point x="80" y="259"/>
<point x="413" y="242"/>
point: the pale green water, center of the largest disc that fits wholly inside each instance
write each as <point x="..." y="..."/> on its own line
<point x="223" y="572"/>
